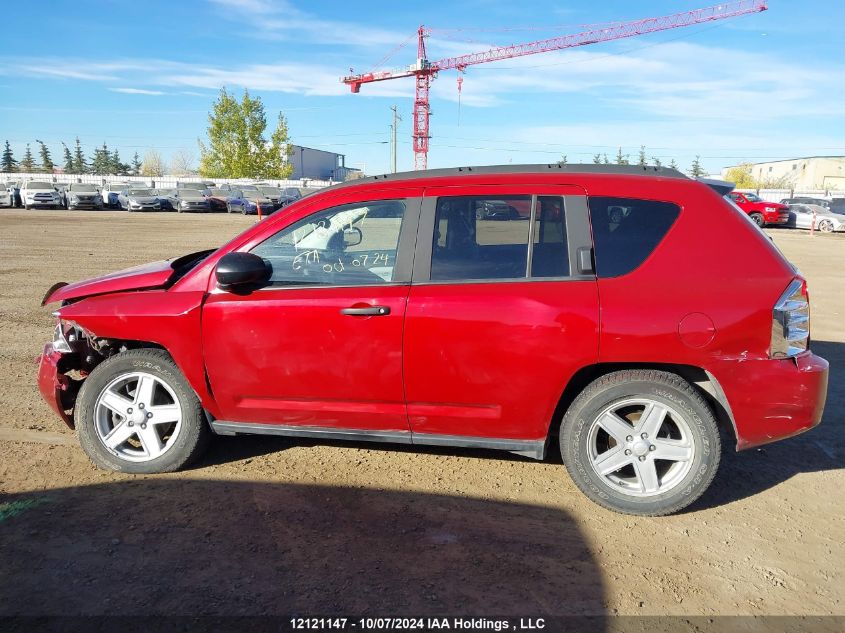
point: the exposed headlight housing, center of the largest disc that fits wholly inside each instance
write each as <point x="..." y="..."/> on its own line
<point x="791" y="321"/>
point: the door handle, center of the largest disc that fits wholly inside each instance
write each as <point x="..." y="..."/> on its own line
<point x="368" y="311"/>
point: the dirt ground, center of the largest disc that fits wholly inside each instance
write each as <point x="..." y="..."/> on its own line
<point x="275" y="526"/>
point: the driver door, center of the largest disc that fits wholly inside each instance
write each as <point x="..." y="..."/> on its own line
<point x="320" y="346"/>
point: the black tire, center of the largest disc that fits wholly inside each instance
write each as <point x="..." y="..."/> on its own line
<point x="189" y="443"/>
<point x="664" y="388"/>
<point x="757" y="218"/>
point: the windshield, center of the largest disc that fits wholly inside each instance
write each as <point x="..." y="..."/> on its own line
<point x="78" y="186"/>
<point x="39" y="185"/>
<point x="250" y="189"/>
<point x="752" y="198"/>
<point x="191" y="192"/>
<point x="142" y="192"/>
<point x="270" y="191"/>
<point x="291" y="191"/>
<point x="219" y="192"/>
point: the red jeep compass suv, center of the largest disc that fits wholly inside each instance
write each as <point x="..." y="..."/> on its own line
<point x="493" y="307"/>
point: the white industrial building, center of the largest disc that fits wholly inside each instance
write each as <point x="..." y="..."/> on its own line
<point x="801" y="174"/>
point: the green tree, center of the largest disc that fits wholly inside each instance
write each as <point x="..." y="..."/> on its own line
<point x="741" y="176"/>
<point x="101" y="163"/>
<point x="46" y="159"/>
<point x="657" y="162"/>
<point x="673" y="164"/>
<point x="68" y="159"/>
<point x="563" y="160"/>
<point x="80" y="166"/>
<point x="116" y="166"/>
<point x="621" y="159"/>
<point x="237" y="147"/>
<point x="136" y="165"/>
<point x="696" y="170"/>
<point x="597" y="159"/>
<point x="641" y="158"/>
<point x="28" y="162"/>
<point x="8" y="164"/>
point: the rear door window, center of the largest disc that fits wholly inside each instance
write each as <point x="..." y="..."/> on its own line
<point x="626" y="231"/>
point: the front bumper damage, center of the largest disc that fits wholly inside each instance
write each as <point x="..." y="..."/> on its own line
<point x="57" y="388"/>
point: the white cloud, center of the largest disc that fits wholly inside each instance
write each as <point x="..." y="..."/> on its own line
<point x="137" y="91"/>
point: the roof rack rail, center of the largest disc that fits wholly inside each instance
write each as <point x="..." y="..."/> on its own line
<point x="572" y="168"/>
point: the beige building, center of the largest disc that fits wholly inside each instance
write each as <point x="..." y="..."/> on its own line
<point x="810" y="173"/>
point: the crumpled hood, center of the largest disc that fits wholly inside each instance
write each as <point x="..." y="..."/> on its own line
<point x="144" y="277"/>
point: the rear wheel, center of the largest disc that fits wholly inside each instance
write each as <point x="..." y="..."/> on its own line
<point x="757" y="218"/>
<point x="641" y="442"/>
<point x="136" y="413"/>
<point x="826" y="226"/>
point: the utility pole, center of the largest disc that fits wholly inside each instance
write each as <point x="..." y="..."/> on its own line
<point x="393" y="128"/>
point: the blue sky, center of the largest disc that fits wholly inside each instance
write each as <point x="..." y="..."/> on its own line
<point x="142" y="75"/>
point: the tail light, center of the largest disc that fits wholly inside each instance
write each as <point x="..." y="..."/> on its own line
<point x="791" y="321"/>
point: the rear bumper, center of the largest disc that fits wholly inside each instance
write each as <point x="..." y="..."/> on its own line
<point x="56" y="388"/>
<point x="774" y="399"/>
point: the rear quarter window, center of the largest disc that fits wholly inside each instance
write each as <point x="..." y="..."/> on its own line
<point x="627" y="230"/>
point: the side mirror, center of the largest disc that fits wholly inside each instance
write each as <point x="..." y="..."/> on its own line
<point x="352" y="237"/>
<point x="237" y="270"/>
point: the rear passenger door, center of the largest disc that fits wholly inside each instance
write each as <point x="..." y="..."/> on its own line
<point x="503" y="309"/>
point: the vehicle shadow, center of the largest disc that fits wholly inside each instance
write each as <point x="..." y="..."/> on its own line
<point x="746" y="473"/>
<point x="195" y="547"/>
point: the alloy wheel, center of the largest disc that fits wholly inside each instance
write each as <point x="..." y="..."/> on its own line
<point x="641" y="447"/>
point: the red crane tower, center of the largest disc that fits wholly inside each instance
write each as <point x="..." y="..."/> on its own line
<point x="425" y="70"/>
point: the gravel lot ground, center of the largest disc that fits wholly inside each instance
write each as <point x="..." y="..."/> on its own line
<point x="266" y="525"/>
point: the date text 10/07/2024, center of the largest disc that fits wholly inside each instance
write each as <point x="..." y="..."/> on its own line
<point x="418" y="624"/>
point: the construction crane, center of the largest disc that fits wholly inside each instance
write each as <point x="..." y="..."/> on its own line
<point x="425" y="70"/>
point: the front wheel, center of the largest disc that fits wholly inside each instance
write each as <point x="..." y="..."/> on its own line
<point x="757" y="218"/>
<point x="640" y="442"/>
<point x="136" y="413"/>
<point x="826" y="226"/>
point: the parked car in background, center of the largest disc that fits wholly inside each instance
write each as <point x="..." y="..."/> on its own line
<point x="40" y="194"/>
<point x="280" y="196"/>
<point x="139" y="200"/>
<point x="247" y="199"/>
<point x="111" y="192"/>
<point x="612" y="322"/>
<point x="814" y="216"/>
<point x="7" y="198"/>
<point x="14" y="190"/>
<point x="83" y="195"/>
<point x="192" y="201"/>
<point x="822" y="202"/>
<point x="167" y="198"/>
<point x="837" y="206"/>
<point x="218" y="197"/>
<point x="761" y="212"/>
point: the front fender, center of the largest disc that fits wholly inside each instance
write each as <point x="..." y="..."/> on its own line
<point x="166" y="318"/>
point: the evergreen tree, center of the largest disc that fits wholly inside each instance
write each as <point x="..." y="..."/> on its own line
<point x="657" y="161"/>
<point x="79" y="164"/>
<point x="68" y="159"/>
<point x="8" y="163"/>
<point x="101" y="164"/>
<point x="673" y="164"/>
<point x="28" y="162"/>
<point x="696" y="170"/>
<point x="641" y="159"/>
<point x="136" y="165"/>
<point x="621" y="159"/>
<point x="597" y="159"/>
<point x="605" y="160"/>
<point x="117" y="167"/>
<point x="563" y="160"/>
<point x="46" y="160"/>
